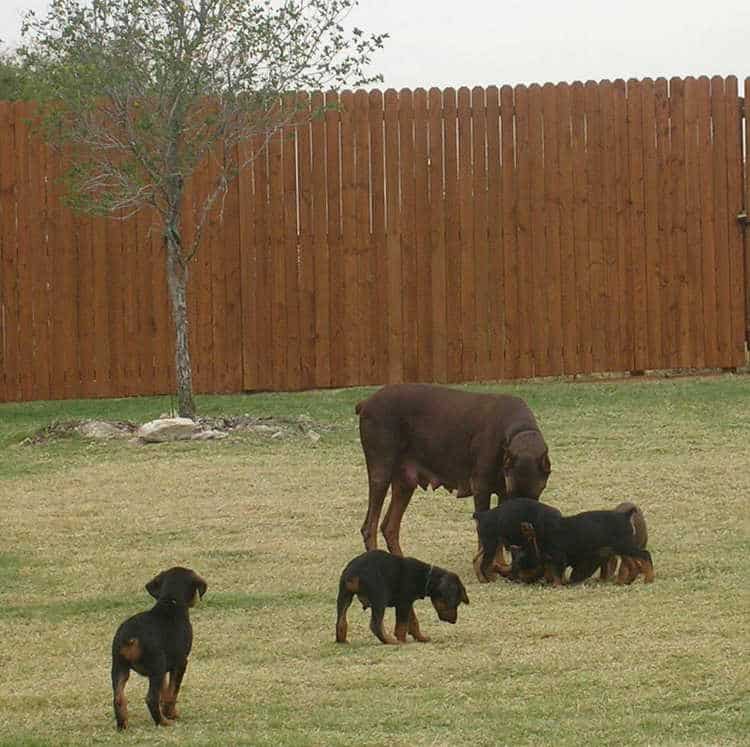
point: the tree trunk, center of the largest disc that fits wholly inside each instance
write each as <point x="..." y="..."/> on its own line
<point x="177" y="276"/>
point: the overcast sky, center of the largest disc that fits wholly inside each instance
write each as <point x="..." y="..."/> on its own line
<point x="482" y="42"/>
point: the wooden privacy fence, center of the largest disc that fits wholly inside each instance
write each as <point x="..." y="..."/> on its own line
<point x="435" y="236"/>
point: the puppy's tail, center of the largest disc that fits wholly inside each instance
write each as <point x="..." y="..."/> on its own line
<point x="640" y="529"/>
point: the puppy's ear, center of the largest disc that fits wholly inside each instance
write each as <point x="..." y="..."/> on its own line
<point x="200" y="585"/>
<point x="153" y="587"/>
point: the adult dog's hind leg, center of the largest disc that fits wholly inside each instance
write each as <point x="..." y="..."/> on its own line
<point x="381" y="454"/>
<point x="401" y="494"/>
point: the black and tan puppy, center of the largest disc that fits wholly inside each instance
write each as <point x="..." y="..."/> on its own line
<point x="156" y="644"/>
<point x="521" y="523"/>
<point x="382" y="580"/>
<point x="575" y="540"/>
<point x="629" y="568"/>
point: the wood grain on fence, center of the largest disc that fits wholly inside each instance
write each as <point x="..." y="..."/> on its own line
<point x="394" y="236"/>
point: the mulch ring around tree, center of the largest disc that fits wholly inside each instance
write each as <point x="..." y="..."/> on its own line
<point x="207" y="428"/>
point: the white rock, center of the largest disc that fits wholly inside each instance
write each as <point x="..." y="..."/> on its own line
<point x="167" y="429"/>
<point x="313" y="436"/>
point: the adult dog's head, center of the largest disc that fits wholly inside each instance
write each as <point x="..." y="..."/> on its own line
<point x="526" y="465"/>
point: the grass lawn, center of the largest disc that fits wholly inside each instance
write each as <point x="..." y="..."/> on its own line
<point x="271" y="523"/>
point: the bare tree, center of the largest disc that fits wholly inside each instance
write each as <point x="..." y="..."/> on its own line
<point x="140" y="92"/>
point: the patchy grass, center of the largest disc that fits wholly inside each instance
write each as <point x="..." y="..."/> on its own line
<point x="270" y="524"/>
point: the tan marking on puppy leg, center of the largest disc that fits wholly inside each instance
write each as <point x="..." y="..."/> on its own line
<point x="499" y="562"/>
<point x="506" y="571"/>
<point x="628" y="572"/>
<point x="341" y="629"/>
<point x="385" y="637"/>
<point x="121" y="703"/>
<point x="167" y="699"/>
<point x="609" y="568"/>
<point x="163" y="690"/>
<point x="414" y="630"/>
<point x="477" y="563"/>
<point x="352" y="584"/>
<point x="400" y="632"/>
<point x="648" y="572"/>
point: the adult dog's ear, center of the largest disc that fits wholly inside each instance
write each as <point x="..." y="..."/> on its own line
<point x="153" y="587"/>
<point x="545" y="464"/>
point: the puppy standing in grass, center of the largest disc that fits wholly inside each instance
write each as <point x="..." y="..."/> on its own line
<point x="382" y="580"/>
<point x="157" y="643"/>
<point x="586" y="540"/>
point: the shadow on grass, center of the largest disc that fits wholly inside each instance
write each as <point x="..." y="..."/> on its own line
<point x="58" y="611"/>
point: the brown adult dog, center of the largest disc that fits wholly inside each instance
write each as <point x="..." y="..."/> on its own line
<point x="475" y="444"/>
